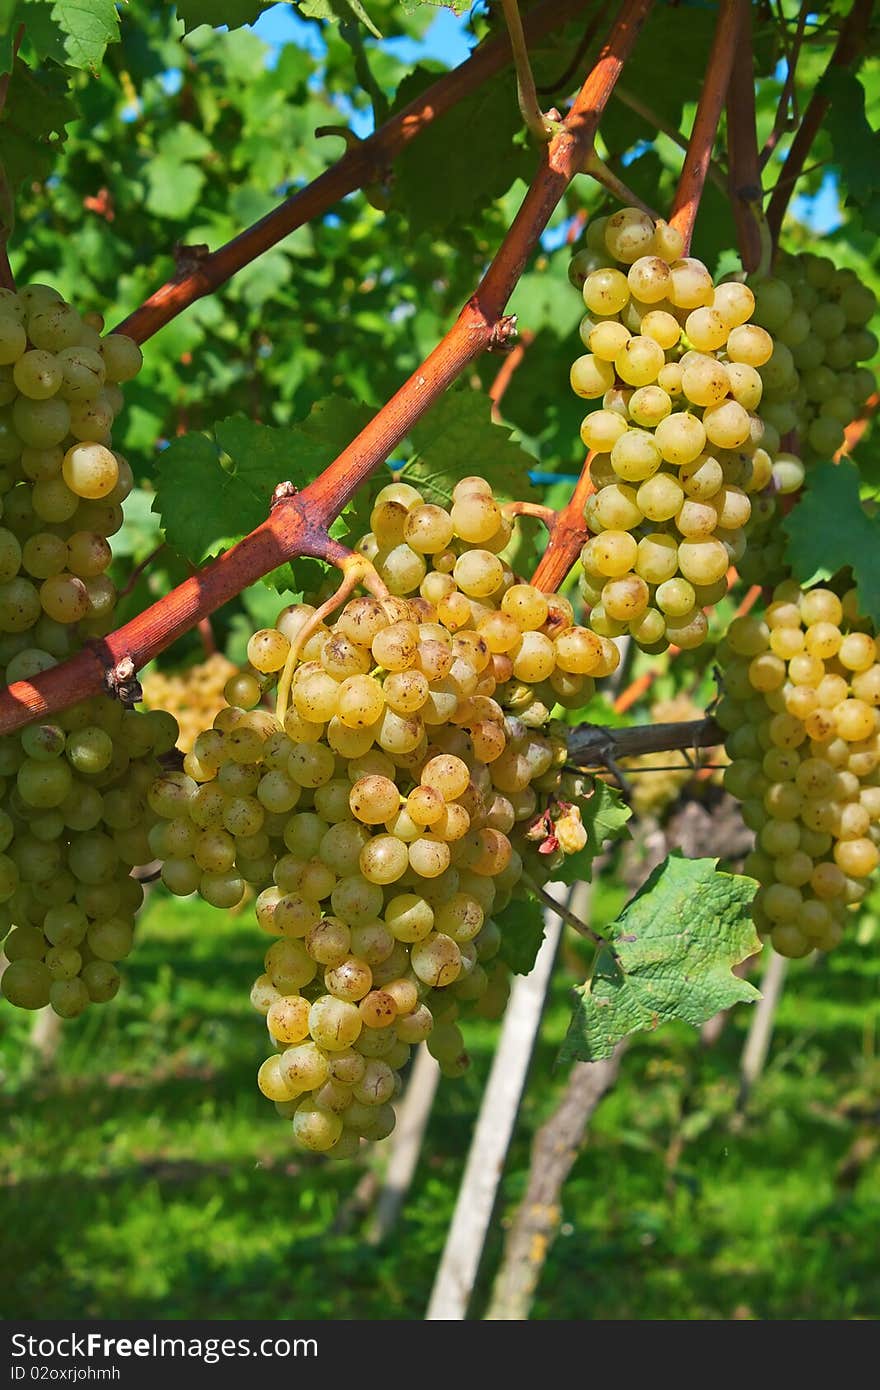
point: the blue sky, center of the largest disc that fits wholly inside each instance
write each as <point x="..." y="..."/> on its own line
<point x="446" y="39"/>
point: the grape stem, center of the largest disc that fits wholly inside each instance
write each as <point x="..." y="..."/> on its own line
<point x="298" y="521"/>
<point x="692" y="180"/>
<point x="536" y="122"/>
<point x="569" y="917"/>
<point x="786" y="178"/>
<point x="357" y="571"/>
<point x="364" y="162"/>
<point x="744" y="169"/>
<point x="595" y="166"/>
<point x="206" y="633"/>
<point x="545" y="514"/>
<point x="568" y="535"/>
<point x="851" y="41"/>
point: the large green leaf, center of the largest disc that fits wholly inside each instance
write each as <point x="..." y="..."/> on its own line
<point x="74" y="33"/>
<point x="206" y="500"/>
<point x="462" y="160"/>
<point x="174" y="187"/>
<point x="829" y="530"/>
<point x="544" y="298"/>
<point x="665" y="70"/>
<point x="457" y="437"/>
<point x="856" y="146"/>
<point x="32" y="125"/>
<point x="670" y="956"/>
<point x="8" y="27"/>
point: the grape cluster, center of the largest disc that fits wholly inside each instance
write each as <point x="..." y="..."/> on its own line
<point x="193" y="696"/>
<point x="375" y="812"/>
<point x="813" y="384"/>
<point x="73" y="788"/>
<point x="802" y="690"/>
<point x="677" y="441"/>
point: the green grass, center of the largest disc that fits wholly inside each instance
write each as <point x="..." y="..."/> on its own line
<point x="144" y="1175"/>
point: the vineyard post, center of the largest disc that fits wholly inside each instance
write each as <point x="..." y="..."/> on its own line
<point x="760" y="1034"/>
<point x="477" y="1194"/>
<point x="553" y="1153"/>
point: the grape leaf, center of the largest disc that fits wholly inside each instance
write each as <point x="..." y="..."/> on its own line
<point x="332" y="423"/>
<point x="522" y="931"/>
<point x="435" y="187"/>
<point x="336" y="9"/>
<point x="669" y="61"/>
<point x="74" y="33"/>
<point x="32" y="126"/>
<point x="670" y="956"/>
<point x="829" y="530"/>
<point x="544" y="298"/>
<point x="206" y="502"/>
<point x="605" y="814"/>
<point x="856" y="146"/>
<point x="456" y="438"/>
<point x="232" y="13"/>
<point x="8" y="26"/>
<point x="140" y="534"/>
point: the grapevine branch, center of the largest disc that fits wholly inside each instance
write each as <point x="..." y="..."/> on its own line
<point x="594" y="745"/>
<point x="297" y="524"/>
<point x="744" y="169"/>
<point x="364" y="162"/>
<point x="852" y="39"/>
<point x="537" y="1220"/>
<point x="692" y="180"/>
